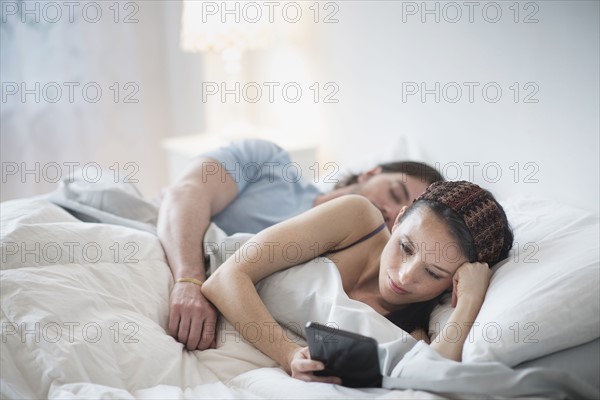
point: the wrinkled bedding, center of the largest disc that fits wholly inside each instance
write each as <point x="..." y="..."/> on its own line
<point x="85" y="308"/>
<point x="85" y="315"/>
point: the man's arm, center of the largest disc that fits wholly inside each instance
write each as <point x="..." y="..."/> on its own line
<point x="203" y="191"/>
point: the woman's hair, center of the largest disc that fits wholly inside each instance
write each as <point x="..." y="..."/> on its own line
<point x="478" y="224"/>
<point x="415" y="169"/>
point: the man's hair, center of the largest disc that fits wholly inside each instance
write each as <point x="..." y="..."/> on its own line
<point x="415" y="169"/>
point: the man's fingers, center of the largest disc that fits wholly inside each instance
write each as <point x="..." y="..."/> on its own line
<point x="173" y="326"/>
<point x="184" y="330"/>
<point x="208" y="335"/>
<point x="192" y="319"/>
<point x="193" y="340"/>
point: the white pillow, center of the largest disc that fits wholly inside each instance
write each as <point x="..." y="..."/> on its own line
<point x="544" y="297"/>
<point x="400" y="148"/>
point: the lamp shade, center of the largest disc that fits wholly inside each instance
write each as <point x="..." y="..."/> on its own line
<point x="219" y="26"/>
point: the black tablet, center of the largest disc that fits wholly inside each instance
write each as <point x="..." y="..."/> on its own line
<point x="347" y="355"/>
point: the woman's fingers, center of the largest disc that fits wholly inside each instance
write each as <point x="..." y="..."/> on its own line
<point x="454" y="292"/>
<point x="305" y="365"/>
<point x="303" y="368"/>
<point x="472" y="280"/>
<point x="322" y="379"/>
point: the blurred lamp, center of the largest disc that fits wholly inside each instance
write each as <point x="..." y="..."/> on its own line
<point x="209" y="26"/>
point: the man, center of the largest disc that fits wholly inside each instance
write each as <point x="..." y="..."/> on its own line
<point x="246" y="187"/>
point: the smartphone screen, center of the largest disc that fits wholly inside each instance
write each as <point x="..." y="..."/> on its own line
<point x="350" y="356"/>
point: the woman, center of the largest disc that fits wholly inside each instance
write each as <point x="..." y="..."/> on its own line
<point x="446" y="240"/>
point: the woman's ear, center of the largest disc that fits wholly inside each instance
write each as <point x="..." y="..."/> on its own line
<point x="398" y="217"/>
<point x="368" y="174"/>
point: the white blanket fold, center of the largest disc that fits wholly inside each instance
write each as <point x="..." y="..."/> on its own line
<point x="112" y="312"/>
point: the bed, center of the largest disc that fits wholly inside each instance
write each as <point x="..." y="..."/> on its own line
<point x="85" y="308"/>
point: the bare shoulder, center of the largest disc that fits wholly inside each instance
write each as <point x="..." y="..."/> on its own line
<point x="352" y="216"/>
<point x="358" y="207"/>
<point x="333" y="224"/>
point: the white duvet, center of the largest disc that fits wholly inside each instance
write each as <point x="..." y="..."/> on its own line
<point x="85" y="307"/>
<point x="84" y="311"/>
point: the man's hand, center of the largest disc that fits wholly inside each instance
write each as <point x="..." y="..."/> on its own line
<point x="204" y="190"/>
<point x="192" y="318"/>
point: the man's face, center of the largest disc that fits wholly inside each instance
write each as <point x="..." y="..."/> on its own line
<point x="389" y="191"/>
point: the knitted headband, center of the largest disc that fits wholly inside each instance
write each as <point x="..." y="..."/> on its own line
<point x="478" y="210"/>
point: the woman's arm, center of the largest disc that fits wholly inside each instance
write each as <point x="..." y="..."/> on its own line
<point x="231" y="288"/>
<point x="470" y="282"/>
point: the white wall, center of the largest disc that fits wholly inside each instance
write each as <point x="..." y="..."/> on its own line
<point x="38" y="134"/>
<point x="47" y="136"/>
<point x="371" y="52"/>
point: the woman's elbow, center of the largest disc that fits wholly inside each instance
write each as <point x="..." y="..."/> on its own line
<point x="213" y="286"/>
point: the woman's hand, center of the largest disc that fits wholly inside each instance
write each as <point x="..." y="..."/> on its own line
<point x="302" y="368"/>
<point x="471" y="281"/>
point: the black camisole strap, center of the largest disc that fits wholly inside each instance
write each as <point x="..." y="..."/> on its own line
<point x="362" y="239"/>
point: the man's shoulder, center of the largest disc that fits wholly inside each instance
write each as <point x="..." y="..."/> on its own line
<point x="261" y="148"/>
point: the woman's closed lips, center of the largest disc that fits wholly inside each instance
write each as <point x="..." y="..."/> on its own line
<point x="396" y="288"/>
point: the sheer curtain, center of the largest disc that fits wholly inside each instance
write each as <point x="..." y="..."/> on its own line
<point x="94" y="89"/>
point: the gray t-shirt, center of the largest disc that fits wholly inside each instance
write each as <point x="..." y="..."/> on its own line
<point x="270" y="186"/>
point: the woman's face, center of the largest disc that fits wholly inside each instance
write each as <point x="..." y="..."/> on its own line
<point x="419" y="260"/>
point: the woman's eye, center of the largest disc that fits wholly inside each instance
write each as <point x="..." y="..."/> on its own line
<point x="405" y="248"/>
<point x="433" y="274"/>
